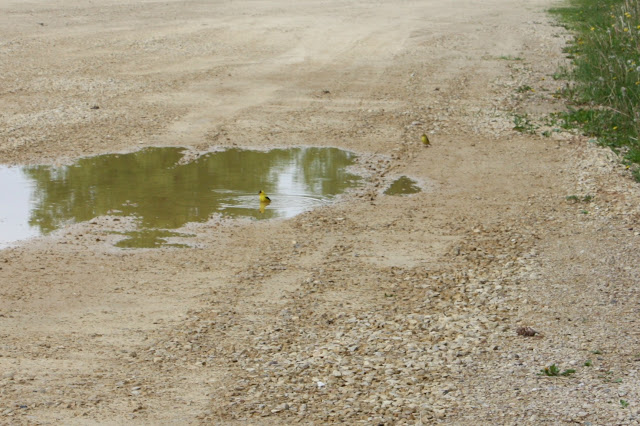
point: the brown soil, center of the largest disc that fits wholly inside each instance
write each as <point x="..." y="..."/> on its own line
<point x="377" y="309"/>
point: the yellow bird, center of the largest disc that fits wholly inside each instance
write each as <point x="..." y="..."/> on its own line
<point x="425" y="140"/>
<point x="263" y="197"/>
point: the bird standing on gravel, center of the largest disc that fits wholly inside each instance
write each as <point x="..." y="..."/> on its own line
<point x="425" y="140"/>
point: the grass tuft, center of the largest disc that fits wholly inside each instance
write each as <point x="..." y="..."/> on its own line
<point x="554" y="371"/>
<point x="510" y="58"/>
<point x="604" y="87"/>
<point x="523" y="124"/>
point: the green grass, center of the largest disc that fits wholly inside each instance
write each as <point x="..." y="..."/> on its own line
<point x="554" y="371"/>
<point x="510" y="58"/>
<point x="523" y="124"/>
<point x="604" y="87"/>
<point x="577" y="199"/>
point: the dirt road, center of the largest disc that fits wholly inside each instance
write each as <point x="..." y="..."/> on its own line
<point x="379" y="309"/>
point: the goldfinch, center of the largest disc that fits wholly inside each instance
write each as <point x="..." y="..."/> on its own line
<point x="263" y="197"/>
<point x="425" y="140"/>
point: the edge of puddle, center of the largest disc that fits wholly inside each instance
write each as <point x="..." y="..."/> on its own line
<point x="361" y="167"/>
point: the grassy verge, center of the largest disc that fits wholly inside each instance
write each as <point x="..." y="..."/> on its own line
<point x="604" y="92"/>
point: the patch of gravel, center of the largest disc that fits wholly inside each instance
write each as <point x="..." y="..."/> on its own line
<point x="379" y="312"/>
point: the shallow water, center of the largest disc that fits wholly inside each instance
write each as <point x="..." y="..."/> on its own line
<point x="403" y="186"/>
<point x="164" y="194"/>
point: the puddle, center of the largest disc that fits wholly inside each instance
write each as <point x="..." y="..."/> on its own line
<point x="151" y="238"/>
<point x="164" y="194"/>
<point x="403" y="186"/>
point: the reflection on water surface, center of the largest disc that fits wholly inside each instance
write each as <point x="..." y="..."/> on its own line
<point x="163" y="193"/>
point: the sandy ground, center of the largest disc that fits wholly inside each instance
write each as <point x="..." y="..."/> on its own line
<point x="376" y="310"/>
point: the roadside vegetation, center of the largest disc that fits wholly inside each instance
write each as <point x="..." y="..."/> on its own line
<point x="604" y="88"/>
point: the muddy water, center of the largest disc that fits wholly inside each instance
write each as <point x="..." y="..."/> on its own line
<point x="163" y="193"/>
<point x="403" y="186"/>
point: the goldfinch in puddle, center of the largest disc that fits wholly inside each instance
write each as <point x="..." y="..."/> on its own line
<point x="425" y="140"/>
<point x="264" y="201"/>
<point x="263" y="197"/>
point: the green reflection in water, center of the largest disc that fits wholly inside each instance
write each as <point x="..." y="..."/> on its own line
<point x="402" y="186"/>
<point x="162" y="193"/>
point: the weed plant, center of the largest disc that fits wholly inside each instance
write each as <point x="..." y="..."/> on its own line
<point x="554" y="371"/>
<point x="604" y="92"/>
<point x="522" y="124"/>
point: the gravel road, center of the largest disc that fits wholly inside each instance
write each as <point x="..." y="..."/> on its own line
<point x="375" y="310"/>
